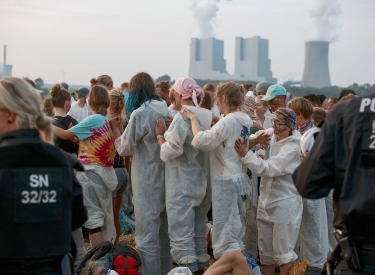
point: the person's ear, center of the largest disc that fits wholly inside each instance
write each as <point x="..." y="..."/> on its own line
<point x="11" y="116"/>
<point x="67" y="104"/>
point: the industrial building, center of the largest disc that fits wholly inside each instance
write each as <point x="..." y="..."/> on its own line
<point x="251" y="59"/>
<point x="207" y="59"/>
<point x="316" y="70"/>
<point x="5" y="69"/>
<point x="251" y="63"/>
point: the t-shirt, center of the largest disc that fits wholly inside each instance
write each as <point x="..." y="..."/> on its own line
<point x="63" y="123"/>
<point x="77" y="112"/>
<point x="96" y="145"/>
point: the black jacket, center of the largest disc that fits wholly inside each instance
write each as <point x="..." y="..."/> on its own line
<point x="343" y="159"/>
<point x="41" y="201"/>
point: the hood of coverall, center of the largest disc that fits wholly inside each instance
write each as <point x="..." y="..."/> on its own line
<point x="243" y="118"/>
<point x="159" y="106"/>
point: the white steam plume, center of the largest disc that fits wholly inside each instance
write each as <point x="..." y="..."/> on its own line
<point x="325" y="21"/>
<point x="204" y="11"/>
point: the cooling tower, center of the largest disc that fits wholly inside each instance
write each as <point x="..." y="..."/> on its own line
<point x="316" y="70"/>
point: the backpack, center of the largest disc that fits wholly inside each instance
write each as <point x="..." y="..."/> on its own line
<point x="121" y="258"/>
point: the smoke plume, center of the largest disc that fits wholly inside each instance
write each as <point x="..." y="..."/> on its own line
<point x="325" y="20"/>
<point x="204" y="11"/>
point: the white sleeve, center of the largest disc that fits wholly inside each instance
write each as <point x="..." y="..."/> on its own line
<point x="210" y="139"/>
<point x="174" y="139"/>
<point x="285" y="162"/>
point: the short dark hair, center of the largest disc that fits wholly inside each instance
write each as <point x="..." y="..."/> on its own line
<point x="248" y="86"/>
<point x="314" y="99"/>
<point x="345" y="92"/>
<point x="209" y="87"/>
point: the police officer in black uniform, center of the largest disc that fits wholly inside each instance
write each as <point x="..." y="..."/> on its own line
<point x="41" y="201"/>
<point x="343" y="159"/>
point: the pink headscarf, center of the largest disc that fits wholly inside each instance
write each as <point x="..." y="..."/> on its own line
<point x="188" y="88"/>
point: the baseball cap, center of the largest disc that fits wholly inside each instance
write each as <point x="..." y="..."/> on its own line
<point x="65" y="85"/>
<point x="261" y="87"/>
<point x="82" y="92"/>
<point x="273" y="91"/>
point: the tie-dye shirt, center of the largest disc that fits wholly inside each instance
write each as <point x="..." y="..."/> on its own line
<point x="96" y="145"/>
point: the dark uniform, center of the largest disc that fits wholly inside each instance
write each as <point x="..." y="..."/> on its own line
<point x="41" y="203"/>
<point x="343" y="159"/>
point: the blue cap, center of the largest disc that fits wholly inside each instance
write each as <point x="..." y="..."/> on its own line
<point x="273" y="91"/>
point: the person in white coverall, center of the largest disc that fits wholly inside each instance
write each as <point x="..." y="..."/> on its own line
<point x="144" y="107"/>
<point x="312" y="244"/>
<point x="230" y="183"/>
<point x="187" y="183"/>
<point x="280" y="207"/>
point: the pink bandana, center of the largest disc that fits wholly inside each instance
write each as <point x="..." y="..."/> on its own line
<point x="188" y="88"/>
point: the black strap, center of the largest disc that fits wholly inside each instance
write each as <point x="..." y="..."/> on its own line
<point x="105" y="247"/>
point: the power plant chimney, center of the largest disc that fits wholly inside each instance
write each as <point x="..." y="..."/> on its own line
<point x="316" y="70"/>
<point x="5" y="61"/>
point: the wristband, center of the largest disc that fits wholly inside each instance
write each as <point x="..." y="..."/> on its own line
<point x="159" y="136"/>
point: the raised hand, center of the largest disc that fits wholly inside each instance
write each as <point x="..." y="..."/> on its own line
<point x="160" y="126"/>
<point x="263" y="139"/>
<point x="187" y="113"/>
<point x="240" y="147"/>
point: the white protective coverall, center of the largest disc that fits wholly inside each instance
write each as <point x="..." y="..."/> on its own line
<point x="188" y="190"/>
<point x="147" y="175"/>
<point x="250" y="239"/>
<point x="313" y="235"/>
<point x="279" y="207"/>
<point x="231" y="191"/>
<point x="98" y="183"/>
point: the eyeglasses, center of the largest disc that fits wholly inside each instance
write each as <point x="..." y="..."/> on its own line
<point x="110" y="83"/>
<point x="277" y="123"/>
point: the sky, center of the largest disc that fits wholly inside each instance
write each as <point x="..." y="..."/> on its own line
<point x="87" y="38"/>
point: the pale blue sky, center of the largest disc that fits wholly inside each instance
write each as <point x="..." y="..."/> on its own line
<point x="87" y="38"/>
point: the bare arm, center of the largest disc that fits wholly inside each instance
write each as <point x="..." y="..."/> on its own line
<point x="116" y="126"/>
<point x="63" y="134"/>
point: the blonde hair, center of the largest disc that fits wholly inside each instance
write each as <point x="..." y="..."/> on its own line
<point x="318" y="115"/>
<point x="18" y="96"/>
<point x="302" y="106"/>
<point x="265" y="103"/>
<point x="163" y="85"/>
<point x="100" y="80"/>
<point x="99" y="99"/>
<point x="233" y="93"/>
<point x="171" y="94"/>
<point x="90" y="267"/>
<point x="59" y="95"/>
<point x="117" y="101"/>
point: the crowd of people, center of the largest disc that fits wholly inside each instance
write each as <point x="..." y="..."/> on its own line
<point x="180" y="157"/>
